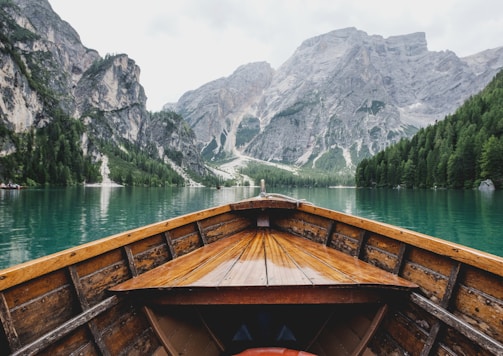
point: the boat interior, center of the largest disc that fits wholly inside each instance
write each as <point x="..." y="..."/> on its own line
<point x="264" y="276"/>
<point x="230" y="329"/>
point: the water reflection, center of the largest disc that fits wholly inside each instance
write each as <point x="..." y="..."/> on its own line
<point x="105" y="194"/>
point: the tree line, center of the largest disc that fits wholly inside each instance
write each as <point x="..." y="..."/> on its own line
<point x="277" y="177"/>
<point x="457" y="152"/>
<point x="130" y="165"/>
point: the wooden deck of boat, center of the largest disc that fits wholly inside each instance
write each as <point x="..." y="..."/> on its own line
<point x="269" y="267"/>
<point x="227" y="269"/>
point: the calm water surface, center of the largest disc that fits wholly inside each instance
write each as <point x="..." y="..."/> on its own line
<point x="37" y="222"/>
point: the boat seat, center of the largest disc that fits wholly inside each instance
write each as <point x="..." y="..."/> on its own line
<point x="273" y="351"/>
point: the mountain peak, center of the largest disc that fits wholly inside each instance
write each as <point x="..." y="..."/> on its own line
<point x="352" y="36"/>
<point x="341" y="96"/>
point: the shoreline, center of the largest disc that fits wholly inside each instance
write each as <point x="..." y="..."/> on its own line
<point x="103" y="185"/>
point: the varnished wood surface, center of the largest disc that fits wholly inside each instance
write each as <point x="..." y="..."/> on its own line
<point x="264" y="257"/>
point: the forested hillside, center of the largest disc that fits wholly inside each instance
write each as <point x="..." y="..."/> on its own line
<point x="69" y="116"/>
<point x="458" y="152"/>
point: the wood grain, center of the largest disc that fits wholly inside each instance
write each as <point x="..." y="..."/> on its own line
<point x="261" y="257"/>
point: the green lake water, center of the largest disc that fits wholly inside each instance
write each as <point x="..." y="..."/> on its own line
<point x="37" y="222"/>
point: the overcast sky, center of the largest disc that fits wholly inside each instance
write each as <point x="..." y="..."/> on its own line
<point x="183" y="44"/>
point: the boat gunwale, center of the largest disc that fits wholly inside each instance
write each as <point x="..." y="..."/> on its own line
<point x="464" y="254"/>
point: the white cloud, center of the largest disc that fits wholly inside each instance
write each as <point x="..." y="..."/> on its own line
<point x="182" y="44"/>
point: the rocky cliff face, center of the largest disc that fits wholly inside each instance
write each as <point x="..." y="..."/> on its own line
<point x="341" y="96"/>
<point x="44" y="69"/>
<point x="216" y="110"/>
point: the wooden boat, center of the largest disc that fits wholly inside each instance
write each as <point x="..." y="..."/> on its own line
<point x="264" y="276"/>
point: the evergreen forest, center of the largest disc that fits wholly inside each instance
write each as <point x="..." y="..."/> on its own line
<point x="278" y="177"/>
<point x="457" y="152"/>
<point x="49" y="155"/>
<point x="52" y="155"/>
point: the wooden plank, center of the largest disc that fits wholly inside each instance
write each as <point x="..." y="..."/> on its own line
<point x="454" y="343"/>
<point x="402" y="334"/>
<point x="376" y="322"/>
<point x="66" y="328"/>
<point x="41" y="315"/>
<point x="234" y="271"/>
<point x="281" y="267"/>
<point x="152" y="258"/>
<point x="312" y="270"/>
<point x="202" y="234"/>
<point x="330" y="232"/>
<point x="304" y="225"/>
<point x="166" y="343"/>
<point x="432" y="338"/>
<point x="35" y="288"/>
<point x="400" y="258"/>
<point x="346" y="239"/>
<point x="187" y="243"/>
<point x="8" y="324"/>
<point x="481" y="339"/>
<point x="125" y="331"/>
<point x="95" y="285"/>
<point x="249" y="268"/>
<point x="85" y="306"/>
<point x="161" y="351"/>
<point x="483" y="281"/>
<point x="364" y="236"/>
<point x="143" y="342"/>
<point x="265" y="203"/>
<point x="78" y="342"/>
<point x="379" y="258"/>
<point x="78" y="287"/>
<point x="444" y="303"/>
<point x="482" y="310"/>
<point x="169" y="241"/>
<point x="130" y="260"/>
<point x="384" y="243"/>
<point x="267" y="295"/>
<point x="431" y="283"/>
<point x="148" y="244"/>
<point x="210" y="332"/>
<point x="218" y="269"/>
<point x="225" y="229"/>
<point x="96" y="264"/>
<point x="186" y="333"/>
<point x="479" y="300"/>
<point x="451" y="285"/>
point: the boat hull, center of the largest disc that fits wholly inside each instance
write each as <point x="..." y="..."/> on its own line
<point x="64" y="303"/>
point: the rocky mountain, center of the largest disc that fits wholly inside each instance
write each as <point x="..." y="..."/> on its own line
<point x="47" y="73"/>
<point x="340" y="97"/>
